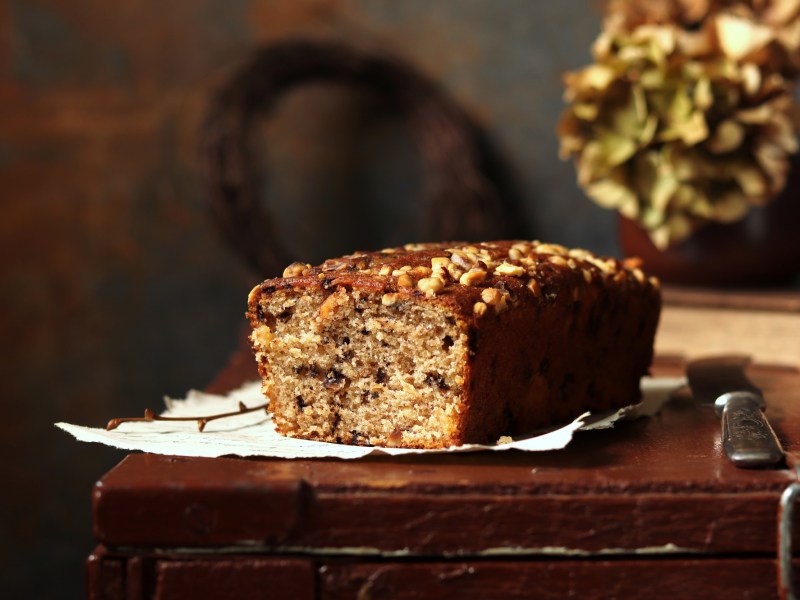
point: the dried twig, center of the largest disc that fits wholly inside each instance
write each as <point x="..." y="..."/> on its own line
<point x="149" y="416"/>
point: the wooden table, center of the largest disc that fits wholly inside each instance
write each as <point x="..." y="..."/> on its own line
<point x="650" y="509"/>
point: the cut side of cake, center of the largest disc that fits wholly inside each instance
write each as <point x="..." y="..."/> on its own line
<point x="436" y="345"/>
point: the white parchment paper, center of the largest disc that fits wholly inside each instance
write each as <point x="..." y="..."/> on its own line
<point x="253" y="434"/>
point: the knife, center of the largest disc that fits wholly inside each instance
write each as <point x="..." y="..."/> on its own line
<point x="747" y="438"/>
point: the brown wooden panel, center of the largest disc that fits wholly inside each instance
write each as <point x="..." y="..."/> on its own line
<point x="243" y="578"/>
<point x="467" y="524"/>
<point x="105" y="579"/>
<point x="170" y="511"/>
<point x="431" y="523"/>
<point x="146" y="575"/>
<point x="698" y="579"/>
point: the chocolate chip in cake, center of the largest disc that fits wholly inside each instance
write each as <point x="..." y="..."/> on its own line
<point x="436" y="379"/>
<point x="334" y="380"/>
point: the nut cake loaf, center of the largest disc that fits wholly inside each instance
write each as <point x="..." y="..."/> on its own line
<point x="434" y="345"/>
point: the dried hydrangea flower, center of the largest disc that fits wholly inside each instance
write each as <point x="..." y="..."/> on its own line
<point x="675" y="126"/>
<point x="765" y="32"/>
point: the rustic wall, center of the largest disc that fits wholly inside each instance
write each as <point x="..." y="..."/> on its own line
<point x="114" y="288"/>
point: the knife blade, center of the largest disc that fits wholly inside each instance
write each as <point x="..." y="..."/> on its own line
<point x="747" y="438"/>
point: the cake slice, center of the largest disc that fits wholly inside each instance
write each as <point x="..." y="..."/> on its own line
<point x="435" y="345"/>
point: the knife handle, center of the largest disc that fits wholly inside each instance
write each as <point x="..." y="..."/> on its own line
<point x="747" y="437"/>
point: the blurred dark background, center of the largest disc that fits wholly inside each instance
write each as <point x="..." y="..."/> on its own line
<point x="115" y="287"/>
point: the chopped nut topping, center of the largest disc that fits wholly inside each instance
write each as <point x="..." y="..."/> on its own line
<point x="473" y="277"/>
<point x="328" y="307"/>
<point x="509" y="269"/>
<point x="552" y="249"/>
<point x="580" y="254"/>
<point x="253" y="293"/>
<point x="606" y="266"/>
<point x="490" y="295"/>
<point x="334" y="265"/>
<point x="461" y="259"/>
<point x="442" y="267"/>
<point x="495" y="298"/>
<point x="401" y="270"/>
<point x="295" y="269"/>
<point x="455" y="271"/>
<point x="421" y="271"/>
<point x="430" y="285"/>
<point x="479" y="308"/>
<point x="610" y="266"/>
<point x="439" y="262"/>
<point x="473" y="265"/>
<point x="389" y="299"/>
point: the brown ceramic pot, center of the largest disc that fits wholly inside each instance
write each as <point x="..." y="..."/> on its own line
<point x="761" y="249"/>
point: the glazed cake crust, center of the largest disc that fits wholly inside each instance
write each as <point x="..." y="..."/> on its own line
<point x="465" y="342"/>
